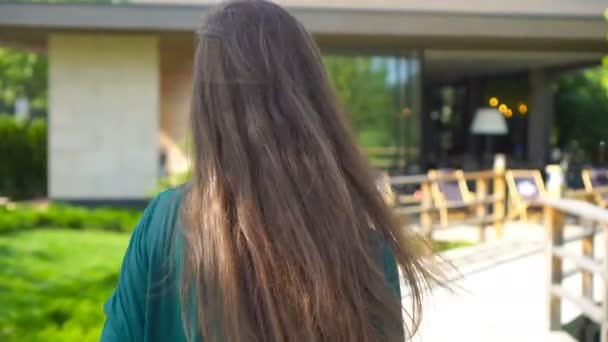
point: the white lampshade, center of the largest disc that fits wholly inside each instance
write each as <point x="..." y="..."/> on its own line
<point x="489" y="121"/>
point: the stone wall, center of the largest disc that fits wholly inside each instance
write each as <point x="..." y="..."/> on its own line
<point x="103" y="116"/>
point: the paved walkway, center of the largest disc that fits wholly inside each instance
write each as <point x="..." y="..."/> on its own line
<point x="500" y="293"/>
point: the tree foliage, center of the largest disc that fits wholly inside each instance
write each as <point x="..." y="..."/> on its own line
<point x="22" y="73"/>
<point x="361" y="85"/>
<point x="582" y="108"/>
<point x="23" y="158"/>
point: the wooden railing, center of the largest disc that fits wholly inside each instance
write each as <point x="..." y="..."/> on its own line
<point x="490" y="191"/>
<point x="592" y="220"/>
<point x="584" y="195"/>
<point x="384" y="158"/>
<point x="417" y="203"/>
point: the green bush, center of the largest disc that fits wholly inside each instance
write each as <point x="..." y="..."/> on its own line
<point x="23" y="158"/>
<point x="23" y="217"/>
<point x="12" y="220"/>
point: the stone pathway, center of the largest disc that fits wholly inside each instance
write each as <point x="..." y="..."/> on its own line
<point x="499" y="292"/>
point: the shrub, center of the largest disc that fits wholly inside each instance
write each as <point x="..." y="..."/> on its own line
<point x="12" y="220"/>
<point x="22" y="217"/>
<point x="23" y="158"/>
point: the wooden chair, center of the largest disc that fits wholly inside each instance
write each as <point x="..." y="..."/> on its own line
<point x="526" y="187"/>
<point x="594" y="180"/>
<point x="451" y="193"/>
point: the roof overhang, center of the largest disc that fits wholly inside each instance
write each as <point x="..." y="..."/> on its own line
<point x="334" y="26"/>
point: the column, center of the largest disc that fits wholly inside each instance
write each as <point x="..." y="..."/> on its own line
<point x="103" y="116"/>
<point x="540" y="118"/>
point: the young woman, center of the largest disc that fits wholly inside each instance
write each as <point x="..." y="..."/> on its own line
<point x="282" y="234"/>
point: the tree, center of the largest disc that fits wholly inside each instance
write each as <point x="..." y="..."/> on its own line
<point x="22" y="73"/>
<point x="582" y="108"/>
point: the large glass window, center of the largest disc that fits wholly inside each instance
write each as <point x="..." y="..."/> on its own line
<point x="381" y="94"/>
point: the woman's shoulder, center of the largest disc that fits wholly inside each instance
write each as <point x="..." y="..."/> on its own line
<point x="167" y="202"/>
<point x="162" y="218"/>
<point x="147" y="285"/>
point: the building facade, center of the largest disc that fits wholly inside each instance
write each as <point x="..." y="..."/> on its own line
<point x="120" y="79"/>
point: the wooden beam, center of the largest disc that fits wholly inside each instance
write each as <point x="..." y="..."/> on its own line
<point x="587" y="233"/>
<point x="554" y="225"/>
<point x="499" y="190"/>
<point x="426" y="221"/>
<point x="481" y="187"/>
<point x="586" y="264"/>
<point x="589" y="308"/>
<point x="578" y="208"/>
<point x="604" y="324"/>
<point x="587" y="254"/>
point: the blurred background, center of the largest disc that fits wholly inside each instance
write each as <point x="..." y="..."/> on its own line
<point x="94" y="99"/>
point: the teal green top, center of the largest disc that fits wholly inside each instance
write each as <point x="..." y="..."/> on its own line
<point x="146" y="304"/>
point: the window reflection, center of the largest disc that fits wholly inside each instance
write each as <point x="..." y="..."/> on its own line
<point x="381" y="95"/>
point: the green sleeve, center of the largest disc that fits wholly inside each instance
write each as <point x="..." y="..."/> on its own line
<point x="126" y="308"/>
<point x="390" y="270"/>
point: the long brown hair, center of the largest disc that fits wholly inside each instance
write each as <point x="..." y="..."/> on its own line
<point x="283" y="222"/>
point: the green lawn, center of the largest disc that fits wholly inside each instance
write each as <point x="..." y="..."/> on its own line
<point x="53" y="283"/>
<point x="440" y="246"/>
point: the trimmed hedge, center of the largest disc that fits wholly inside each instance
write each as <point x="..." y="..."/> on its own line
<point x="23" y="158"/>
<point x="23" y="217"/>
